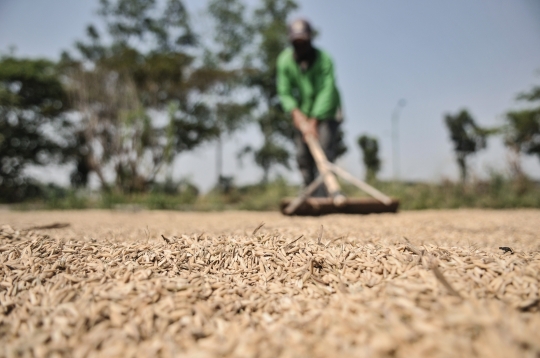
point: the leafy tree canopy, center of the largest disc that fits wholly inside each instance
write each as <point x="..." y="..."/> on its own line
<point x="142" y="65"/>
<point x="370" y="155"/>
<point x="32" y="123"/>
<point x="523" y="126"/>
<point x="467" y="136"/>
<point x="270" y="28"/>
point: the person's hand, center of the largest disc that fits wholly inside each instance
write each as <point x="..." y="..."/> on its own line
<point x="308" y="126"/>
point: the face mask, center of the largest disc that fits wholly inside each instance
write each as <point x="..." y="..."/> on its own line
<point x="301" y="48"/>
<point x="304" y="54"/>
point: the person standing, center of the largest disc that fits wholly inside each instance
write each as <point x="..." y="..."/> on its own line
<point x="307" y="90"/>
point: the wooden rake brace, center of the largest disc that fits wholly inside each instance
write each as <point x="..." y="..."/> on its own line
<point x="337" y="202"/>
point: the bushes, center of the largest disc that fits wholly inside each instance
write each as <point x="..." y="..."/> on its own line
<point x="498" y="192"/>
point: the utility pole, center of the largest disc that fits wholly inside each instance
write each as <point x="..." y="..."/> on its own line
<point x="395" y="137"/>
<point x="219" y="159"/>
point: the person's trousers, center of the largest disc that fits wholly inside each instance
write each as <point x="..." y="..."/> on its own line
<point x="328" y="133"/>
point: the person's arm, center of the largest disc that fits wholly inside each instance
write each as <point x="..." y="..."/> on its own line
<point x="289" y="103"/>
<point x="284" y="87"/>
<point x="325" y="101"/>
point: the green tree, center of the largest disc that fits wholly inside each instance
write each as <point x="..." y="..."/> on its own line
<point x="522" y="132"/>
<point x="370" y="155"/>
<point x="270" y="27"/>
<point x="120" y="87"/>
<point x="224" y="73"/>
<point x="467" y="136"/>
<point x="32" y="122"/>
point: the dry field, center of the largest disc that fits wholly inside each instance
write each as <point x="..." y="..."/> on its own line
<point x="416" y="284"/>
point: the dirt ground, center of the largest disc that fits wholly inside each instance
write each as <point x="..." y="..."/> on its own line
<point x="428" y="283"/>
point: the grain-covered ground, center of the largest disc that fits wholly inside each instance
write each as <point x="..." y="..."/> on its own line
<point x="415" y="284"/>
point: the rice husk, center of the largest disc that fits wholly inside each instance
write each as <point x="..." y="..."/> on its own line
<point x="420" y="284"/>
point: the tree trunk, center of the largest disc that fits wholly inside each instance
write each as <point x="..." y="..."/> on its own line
<point x="514" y="162"/>
<point x="266" y="173"/>
<point x="462" y="162"/>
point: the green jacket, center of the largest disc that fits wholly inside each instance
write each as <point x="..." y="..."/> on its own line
<point x="314" y="91"/>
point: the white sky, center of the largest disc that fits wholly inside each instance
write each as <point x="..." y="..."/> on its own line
<point x="439" y="56"/>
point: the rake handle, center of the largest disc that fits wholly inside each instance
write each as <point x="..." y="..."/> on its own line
<point x="322" y="165"/>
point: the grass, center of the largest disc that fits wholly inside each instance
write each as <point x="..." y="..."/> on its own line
<point x="498" y="192"/>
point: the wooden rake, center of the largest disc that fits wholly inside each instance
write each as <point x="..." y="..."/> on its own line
<point x="336" y="202"/>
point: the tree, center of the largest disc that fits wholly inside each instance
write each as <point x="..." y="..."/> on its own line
<point x="522" y="132"/>
<point x="270" y="26"/>
<point x="370" y="155"/>
<point x="224" y="74"/>
<point x="32" y="122"/>
<point x="120" y="88"/>
<point x="467" y="136"/>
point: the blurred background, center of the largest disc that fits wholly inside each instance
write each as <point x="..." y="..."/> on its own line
<point x="171" y="104"/>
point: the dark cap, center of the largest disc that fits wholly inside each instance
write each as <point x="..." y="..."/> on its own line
<point x="299" y="29"/>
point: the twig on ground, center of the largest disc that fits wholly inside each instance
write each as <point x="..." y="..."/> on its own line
<point x="257" y="228"/>
<point x="295" y="240"/>
<point x="51" y="226"/>
<point x="166" y="239"/>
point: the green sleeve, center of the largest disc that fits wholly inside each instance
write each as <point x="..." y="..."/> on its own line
<point x="326" y="101"/>
<point x="284" y="87"/>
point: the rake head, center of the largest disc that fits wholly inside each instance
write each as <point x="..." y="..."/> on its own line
<point x="323" y="206"/>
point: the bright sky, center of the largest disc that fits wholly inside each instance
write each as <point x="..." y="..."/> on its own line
<point x="438" y="56"/>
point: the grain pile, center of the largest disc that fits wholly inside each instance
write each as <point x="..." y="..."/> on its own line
<point x="338" y="286"/>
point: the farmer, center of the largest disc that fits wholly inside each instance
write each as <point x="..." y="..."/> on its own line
<point x="307" y="90"/>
